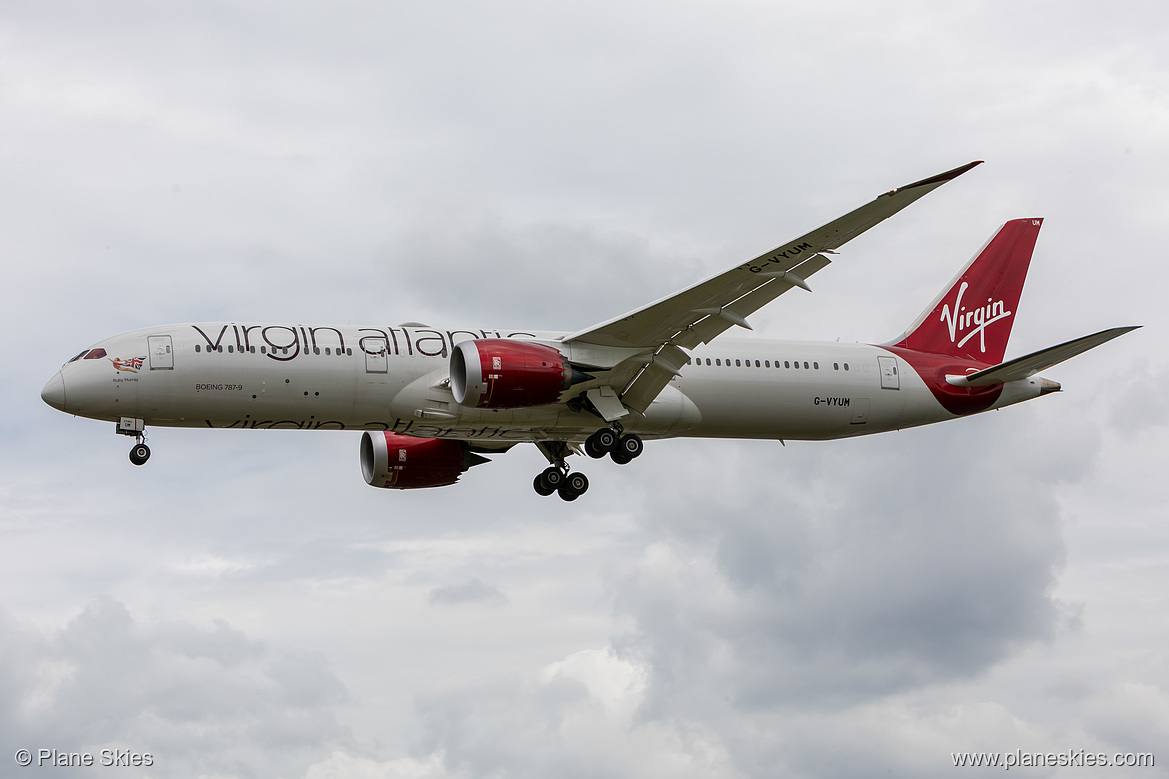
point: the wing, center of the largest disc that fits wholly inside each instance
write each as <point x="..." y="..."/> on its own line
<point x="661" y="330"/>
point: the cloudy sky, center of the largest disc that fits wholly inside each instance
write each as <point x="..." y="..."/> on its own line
<point x="244" y="606"/>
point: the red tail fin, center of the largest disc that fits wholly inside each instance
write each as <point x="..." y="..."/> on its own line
<point x="972" y="318"/>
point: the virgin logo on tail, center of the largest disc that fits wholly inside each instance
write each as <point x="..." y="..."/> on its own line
<point x="961" y="319"/>
<point x="995" y="279"/>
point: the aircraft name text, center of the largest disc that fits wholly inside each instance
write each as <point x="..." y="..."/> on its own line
<point x="287" y="342"/>
<point x="397" y="426"/>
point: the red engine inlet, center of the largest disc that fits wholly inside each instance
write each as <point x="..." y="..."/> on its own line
<point x="404" y="462"/>
<point x="503" y="373"/>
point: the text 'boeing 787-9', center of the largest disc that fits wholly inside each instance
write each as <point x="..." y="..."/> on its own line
<point x="433" y="401"/>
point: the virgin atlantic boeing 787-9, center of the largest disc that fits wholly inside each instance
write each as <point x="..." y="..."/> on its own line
<point x="433" y="401"/>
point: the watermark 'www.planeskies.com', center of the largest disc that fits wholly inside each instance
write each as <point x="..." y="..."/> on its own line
<point x="1066" y="759"/>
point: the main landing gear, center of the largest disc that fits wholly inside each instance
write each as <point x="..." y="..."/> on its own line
<point x="570" y="486"/>
<point x="556" y="478"/>
<point x="140" y="452"/>
<point x="609" y="441"/>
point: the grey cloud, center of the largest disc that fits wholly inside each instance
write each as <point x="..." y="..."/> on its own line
<point x="470" y="591"/>
<point x="848" y="572"/>
<point x="548" y="276"/>
<point x="198" y="700"/>
<point x="1139" y="402"/>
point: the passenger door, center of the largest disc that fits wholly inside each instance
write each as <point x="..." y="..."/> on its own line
<point x="161" y="356"/>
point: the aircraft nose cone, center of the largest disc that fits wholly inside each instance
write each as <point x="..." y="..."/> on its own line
<point x="54" y="392"/>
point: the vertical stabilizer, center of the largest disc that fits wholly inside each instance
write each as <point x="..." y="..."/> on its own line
<point x="972" y="318"/>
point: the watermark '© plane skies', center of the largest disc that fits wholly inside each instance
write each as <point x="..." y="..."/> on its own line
<point x="433" y="401"/>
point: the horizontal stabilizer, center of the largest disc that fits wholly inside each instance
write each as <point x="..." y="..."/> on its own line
<point x="1028" y="365"/>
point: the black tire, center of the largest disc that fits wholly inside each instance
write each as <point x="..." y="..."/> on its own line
<point x="573" y="486"/>
<point x="140" y="454"/>
<point x="631" y="445"/>
<point x="592" y="449"/>
<point x="541" y="487"/>
<point x="552" y="476"/>
<point x="600" y="443"/>
<point x="578" y="483"/>
<point x="620" y="457"/>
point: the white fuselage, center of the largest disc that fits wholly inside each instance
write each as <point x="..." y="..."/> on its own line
<point x="231" y="375"/>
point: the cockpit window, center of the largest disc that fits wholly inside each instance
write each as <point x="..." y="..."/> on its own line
<point x="96" y="354"/>
<point x="78" y="357"/>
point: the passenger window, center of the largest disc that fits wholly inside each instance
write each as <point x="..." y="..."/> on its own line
<point x="816" y="365"/>
<point x="787" y="364"/>
<point x="805" y="365"/>
<point x="197" y="347"/>
<point x="708" y="361"/>
<point x="96" y="354"/>
<point x="717" y="361"/>
<point x="327" y="352"/>
<point x="349" y="351"/>
<point x="756" y="363"/>
<point x="796" y="365"/>
<point x="767" y="363"/>
<point x="835" y="366"/>
<point x="737" y="364"/>
<point x="229" y="348"/>
<point x="846" y="366"/>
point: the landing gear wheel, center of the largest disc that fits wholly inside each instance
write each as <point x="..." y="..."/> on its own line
<point x="629" y="447"/>
<point x="140" y="454"/>
<point x="600" y="443"/>
<point x="573" y="486"/>
<point x="548" y="480"/>
<point x="632" y="445"/>
<point x="541" y="487"/>
<point x="592" y="448"/>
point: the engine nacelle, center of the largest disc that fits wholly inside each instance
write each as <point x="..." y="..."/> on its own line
<point x="504" y="373"/>
<point x="404" y="462"/>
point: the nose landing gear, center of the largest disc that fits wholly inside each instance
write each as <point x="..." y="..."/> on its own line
<point x="140" y="452"/>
